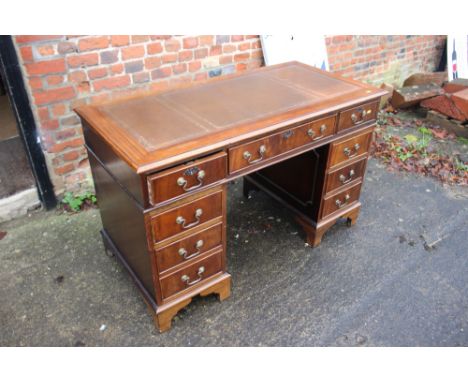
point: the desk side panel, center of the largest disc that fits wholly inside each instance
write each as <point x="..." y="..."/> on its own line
<point x="124" y="222"/>
<point x="119" y="169"/>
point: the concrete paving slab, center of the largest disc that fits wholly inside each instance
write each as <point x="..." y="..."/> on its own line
<point x="374" y="284"/>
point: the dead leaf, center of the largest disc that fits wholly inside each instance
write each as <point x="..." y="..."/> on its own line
<point x="439" y="133"/>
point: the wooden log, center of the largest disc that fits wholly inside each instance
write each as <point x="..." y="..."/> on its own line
<point x="445" y="105"/>
<point x="451" y="125"/>
<point x="460" y="99"/>
<point x="437" y="78"/>
<point x="412" y="95"/>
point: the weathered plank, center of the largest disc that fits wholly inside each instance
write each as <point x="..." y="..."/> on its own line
<point x="445" y="105"/>
<point x="412" y="95"/>
<point x="460" y="99"/>
<point x="385" y="100"/>
<point x="437" y="78"/>
<point x="456" y="85"/>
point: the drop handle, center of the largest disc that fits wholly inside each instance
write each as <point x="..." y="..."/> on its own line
<point x="355" y="117"/>
<point x="181" y="220"/>
<point x="349" y="153"/>
<point x="340" y="204"/>
<point x="184" y="253"/>
<point x="311" y="133"/>
<point x="186" y="279"/>
<point x="248" y="156"/>
<point x="182" y="182"/>
<point x="345" y="180"/>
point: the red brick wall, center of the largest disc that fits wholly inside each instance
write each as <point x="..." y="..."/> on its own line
<point x="62" y="72"/>
<point x="389" y="59"/>
<point x="65" y="71"/>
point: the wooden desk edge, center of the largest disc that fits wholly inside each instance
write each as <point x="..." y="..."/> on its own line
<point x="145" y="162"/>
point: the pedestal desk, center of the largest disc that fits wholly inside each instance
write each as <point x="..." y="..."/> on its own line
<point x="161" y="163"/>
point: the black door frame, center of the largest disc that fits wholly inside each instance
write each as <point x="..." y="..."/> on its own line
<point x="14" y="85"/>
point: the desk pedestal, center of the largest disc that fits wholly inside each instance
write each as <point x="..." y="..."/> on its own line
<point x="314" y="188"/>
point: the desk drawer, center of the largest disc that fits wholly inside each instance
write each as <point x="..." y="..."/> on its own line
<point x="350" y="148"/>
<point x="189" y="248"/>
<point x="341" y="200"/>
<point x="249" y="154"/>
<point x="186" y="178"/>
<point x="253" y="152"/>
<point x="187" y="216"/>
<point x="343" y="176"/>
<point x="357" y="115"/>
<point x="192" y="275"/>
<point x="307" y="133"/>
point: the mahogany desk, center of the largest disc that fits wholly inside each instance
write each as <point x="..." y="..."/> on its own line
<point x="161" y="162"/>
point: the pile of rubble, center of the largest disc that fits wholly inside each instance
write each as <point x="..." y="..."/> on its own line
<point x="446" y="102"/>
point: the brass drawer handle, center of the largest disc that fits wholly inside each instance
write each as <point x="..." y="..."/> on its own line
<point x="248" y="157"/>
<point x="340" y="204"/>
<point x="343" y="179"/>
<point x="311" y="132"/>
<point x="182" y="182"/>
<point x="181" y="220"/>
<point x="186" y="279"/>
<point x="356" y="119"/>
<point x="347" y="151"/>
<point x="183" y="252"/>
